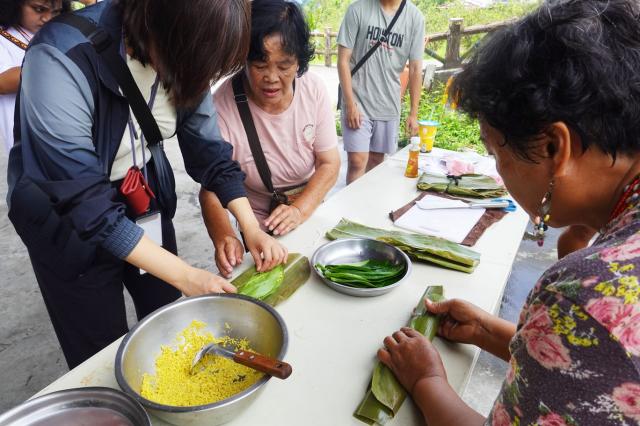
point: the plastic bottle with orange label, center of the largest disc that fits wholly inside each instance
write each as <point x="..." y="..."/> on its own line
<point x="412" y="164"/>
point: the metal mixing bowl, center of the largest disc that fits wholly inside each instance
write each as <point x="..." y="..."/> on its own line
<point x="86" y="406"/>
<point x="350" y="250"/>
<point x="247" y="317"/>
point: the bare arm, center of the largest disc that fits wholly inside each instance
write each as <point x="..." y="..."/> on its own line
<point x="228" y="249"/>
<point x="10" y="81"/>
<point x="441" y="406"/>
<point x="215" y="216"/>
<point x="352" y="114"/>
<point x="265" y="250"/>
<point x="464" y="322"/>
<point x="241" y="209"/>
<point x="344" y="73"/>
<point x="496" y="335"/>
<point x="170" y="268"/>
<point x="327" y="166"/>
<point x="415" y="90"/>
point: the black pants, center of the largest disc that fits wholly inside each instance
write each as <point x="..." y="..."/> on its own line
<point x="88" y="313"/>
<point x="87" y="309"/>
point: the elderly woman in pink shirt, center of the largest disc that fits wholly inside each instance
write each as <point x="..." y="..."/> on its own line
<point x="294" y="122"/>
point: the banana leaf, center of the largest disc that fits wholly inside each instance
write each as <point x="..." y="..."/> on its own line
<point x="469" y="185"/>
<point x="262" y="285"/>
<point x="372" y="411"/>
<point x="277" y="285"/>
<point x="369" y="273"/>
<point x="385" y="395"/>
<point x="417" y="246"/>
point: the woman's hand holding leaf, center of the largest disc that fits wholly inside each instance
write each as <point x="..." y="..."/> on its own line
<point x="464" y="322"/>
<point x="412" y="358"/>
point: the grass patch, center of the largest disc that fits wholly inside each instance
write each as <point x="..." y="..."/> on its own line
<point x="456" y="131"/>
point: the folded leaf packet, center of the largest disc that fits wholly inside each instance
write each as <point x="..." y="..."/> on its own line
<point x="385" y="395"/>
<point x="420" y="247"/>
<point x="469" y="185"/>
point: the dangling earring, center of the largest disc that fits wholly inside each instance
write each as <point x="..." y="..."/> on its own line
<point x="540" y="228"/>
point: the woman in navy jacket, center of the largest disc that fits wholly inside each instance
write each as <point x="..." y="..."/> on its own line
<point x="76" y="138"/>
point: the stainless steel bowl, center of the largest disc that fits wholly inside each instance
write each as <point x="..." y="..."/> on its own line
<point x="351" y="250"/>
<point x="248" y="318"/>
<point x="81" y="406"/>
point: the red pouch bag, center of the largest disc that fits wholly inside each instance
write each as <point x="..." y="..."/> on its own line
<point x="136" y="191"/>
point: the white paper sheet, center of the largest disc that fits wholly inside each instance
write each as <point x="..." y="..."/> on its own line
<point x="432" y="202"/>
<point x="452" y="224"/>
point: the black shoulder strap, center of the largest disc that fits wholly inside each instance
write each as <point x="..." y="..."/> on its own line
<point x="383" y="38"/>
<point x="242" y="102"/>
<point x="105" y="47"/>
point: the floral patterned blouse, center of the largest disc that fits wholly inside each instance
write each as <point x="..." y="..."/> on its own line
<point x="575" y="357"/>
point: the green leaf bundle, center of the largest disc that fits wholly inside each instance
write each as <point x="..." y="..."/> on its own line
<point x="366" y="274"/>
<point x="385" y="394"/>
<point x="276" y="285"/>
<point x="469" y="185"/>
<point x="420" y="247"/>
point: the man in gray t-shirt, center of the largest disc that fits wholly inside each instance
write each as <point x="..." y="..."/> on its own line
<point x="371" y="98"/>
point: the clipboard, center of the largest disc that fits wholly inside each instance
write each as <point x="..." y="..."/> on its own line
<point x="489" y="217"/>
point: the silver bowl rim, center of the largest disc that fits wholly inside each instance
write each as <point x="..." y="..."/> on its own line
<point x="386" y="289"/>
<point x="124" y="385"/>
<point x="27" y="406"/>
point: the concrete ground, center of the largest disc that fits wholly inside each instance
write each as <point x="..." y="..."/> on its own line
<point x="30" y="357"/>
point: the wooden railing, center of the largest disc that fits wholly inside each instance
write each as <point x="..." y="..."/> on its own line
<point x="327" y="47"/>
<point x="452" y="59"/>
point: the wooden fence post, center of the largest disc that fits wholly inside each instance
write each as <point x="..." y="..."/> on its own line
<point x="452" y="57"/>
<point x="327" y="46"/>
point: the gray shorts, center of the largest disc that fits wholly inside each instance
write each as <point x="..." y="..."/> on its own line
<point x="372" y="136"/>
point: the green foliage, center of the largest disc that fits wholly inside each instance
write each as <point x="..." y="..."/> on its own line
<point x="456" y="130"/>
<point x="437" y="18"/>
<point x="329" y="13"/>
<point x="325" y="13"/>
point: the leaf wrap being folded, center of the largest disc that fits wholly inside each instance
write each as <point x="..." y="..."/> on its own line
<point x="385" y="394"/>
<point x="263" y="284"/>
<point x="425" y="248"/>
<point x="277" y="285"/>
<point x="468" y="185"/>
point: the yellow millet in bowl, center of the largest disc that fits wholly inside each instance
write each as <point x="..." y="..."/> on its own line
<point x="215" y="379"/>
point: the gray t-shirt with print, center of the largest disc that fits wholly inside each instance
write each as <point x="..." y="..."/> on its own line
<point x="376" y="85"/>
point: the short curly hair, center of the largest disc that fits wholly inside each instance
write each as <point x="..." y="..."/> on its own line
<point x="11" y="11"/>
<point x="571" y="61"/>
<point x="282" y="17"/>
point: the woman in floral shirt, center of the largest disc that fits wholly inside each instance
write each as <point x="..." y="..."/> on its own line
<point x="557" y="95"/>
